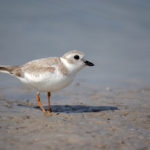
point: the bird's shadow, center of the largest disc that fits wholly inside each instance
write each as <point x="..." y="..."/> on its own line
<point x="75" y="108"/>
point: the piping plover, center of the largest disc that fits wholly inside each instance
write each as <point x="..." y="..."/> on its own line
<point x="48" y="74"/>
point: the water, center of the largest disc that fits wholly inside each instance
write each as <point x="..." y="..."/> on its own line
<point x="115" y="35"/>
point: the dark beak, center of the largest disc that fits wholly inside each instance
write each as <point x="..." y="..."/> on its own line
<point x="88" y="63"/>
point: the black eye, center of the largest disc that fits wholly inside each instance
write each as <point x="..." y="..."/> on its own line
<point x="76" y="57"/>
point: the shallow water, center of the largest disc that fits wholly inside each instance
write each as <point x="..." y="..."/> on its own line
<point x="114" y="35"/>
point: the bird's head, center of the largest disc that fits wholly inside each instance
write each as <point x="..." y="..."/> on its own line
<point x="74" y="61"/>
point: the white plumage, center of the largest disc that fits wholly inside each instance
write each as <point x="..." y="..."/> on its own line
<point x="48" y="74"/>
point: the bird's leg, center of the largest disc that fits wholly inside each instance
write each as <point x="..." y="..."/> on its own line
<point x="39" y="102"/>
<point x="49" y="106"/>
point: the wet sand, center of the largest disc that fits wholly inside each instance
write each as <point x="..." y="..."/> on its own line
<point x="83" y="118"/>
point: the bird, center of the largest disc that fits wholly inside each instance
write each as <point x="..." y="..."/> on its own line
<point x="48" y="74"/>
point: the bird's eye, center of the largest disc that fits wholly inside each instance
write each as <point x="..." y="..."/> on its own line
<point x="76" y="57"/>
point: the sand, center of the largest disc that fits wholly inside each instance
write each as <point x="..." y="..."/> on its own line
<point x="83" y="118"/>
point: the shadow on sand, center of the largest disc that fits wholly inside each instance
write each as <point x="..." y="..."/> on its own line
<point x="75" y="108"/>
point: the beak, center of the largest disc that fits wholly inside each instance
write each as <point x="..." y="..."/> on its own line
<point x="88" y="63"/>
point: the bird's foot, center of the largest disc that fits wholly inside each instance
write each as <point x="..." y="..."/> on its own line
<point x="49" y="110"/>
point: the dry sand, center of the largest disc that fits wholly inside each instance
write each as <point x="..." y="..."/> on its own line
<point x="83" y="118"/>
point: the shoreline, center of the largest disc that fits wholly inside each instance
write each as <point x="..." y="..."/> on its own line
<point x="82" y="118"/>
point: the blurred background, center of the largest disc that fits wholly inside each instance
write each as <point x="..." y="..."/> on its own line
<point x="113" y="34"/>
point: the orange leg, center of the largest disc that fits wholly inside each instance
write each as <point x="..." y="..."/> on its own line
<point x="39" y="102"/>
<point x="49" y="106"/>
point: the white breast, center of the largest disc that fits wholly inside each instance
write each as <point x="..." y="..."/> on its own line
<point x="47" y="81"/>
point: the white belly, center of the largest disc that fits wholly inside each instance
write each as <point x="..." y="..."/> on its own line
<point x="47" y="82"/>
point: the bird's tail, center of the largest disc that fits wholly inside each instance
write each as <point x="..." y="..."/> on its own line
<point x="7" y="69"/>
